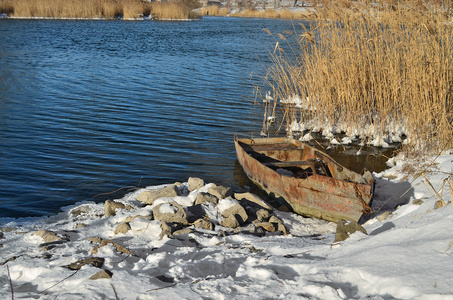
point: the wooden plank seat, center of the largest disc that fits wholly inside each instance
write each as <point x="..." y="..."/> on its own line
<point x="277" y="147"/>
<point x="286" y="164"/>
<point x="316" y="166"/>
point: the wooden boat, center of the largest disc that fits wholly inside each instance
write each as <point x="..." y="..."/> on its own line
<point x="309" y="181"/>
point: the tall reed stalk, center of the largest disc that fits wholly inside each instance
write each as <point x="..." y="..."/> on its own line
<point x="370" y="70"/>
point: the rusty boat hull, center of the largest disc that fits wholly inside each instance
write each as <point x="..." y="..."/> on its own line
<point x="309" y="181"/>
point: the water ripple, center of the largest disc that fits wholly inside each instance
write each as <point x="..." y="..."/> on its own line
<point x="87" y="107"/>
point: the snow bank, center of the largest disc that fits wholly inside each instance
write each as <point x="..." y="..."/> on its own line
<point x="407" y="254"/>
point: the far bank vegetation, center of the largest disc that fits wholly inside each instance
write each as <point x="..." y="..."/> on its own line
<point x="106" y="9"/>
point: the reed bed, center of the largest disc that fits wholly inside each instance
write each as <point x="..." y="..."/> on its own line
<point x="174" y="10"/>
<point x="377" y="73"/>
<point x="214" y="10"/>
<point x="272" y="14"/>
<point x="107" y="9"/>
<point x="75" y="8"/>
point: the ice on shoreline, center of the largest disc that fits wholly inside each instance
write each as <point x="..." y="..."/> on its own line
<point x="369" y="130"/>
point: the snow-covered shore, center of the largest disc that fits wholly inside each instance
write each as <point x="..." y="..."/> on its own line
<point x="407" y="255"/>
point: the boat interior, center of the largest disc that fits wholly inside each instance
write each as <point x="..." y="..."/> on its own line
<point x="290" y="160"/>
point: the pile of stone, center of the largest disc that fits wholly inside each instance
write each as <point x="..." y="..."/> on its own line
<point x="214" y="206"/>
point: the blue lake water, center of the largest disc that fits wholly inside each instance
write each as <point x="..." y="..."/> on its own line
<point x="88" y="107"/>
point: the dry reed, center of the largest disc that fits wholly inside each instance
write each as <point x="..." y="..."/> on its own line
<point x="369" y="71"/>
<point x="173" y="10"/>
<point x="75" y="8"/>
<point x="271" y="14"/>
<point x="214" y="10"/>
<point x="107" y="9"/>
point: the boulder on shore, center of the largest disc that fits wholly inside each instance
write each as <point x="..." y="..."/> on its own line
<point x="195" y="183"/>
<point x="111" y="207"/>
<point x="170" y="212"/>
<point x="206" y="197"/>
<point x="103" y="274"/>
<point x="253" y="200"/>
<point x="122" y="228"/>
<point x="346" y="228"/>
<point x="148" y="197"/>
<point x="47" y="236"/>
<point x="221" y="192"/>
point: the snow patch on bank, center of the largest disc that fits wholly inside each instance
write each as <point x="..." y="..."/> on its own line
<point x="406" y="255"/>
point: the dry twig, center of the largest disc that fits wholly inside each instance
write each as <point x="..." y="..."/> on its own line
<point x="10" y="283"/>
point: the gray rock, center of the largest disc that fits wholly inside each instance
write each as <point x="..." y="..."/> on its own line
<point x="202" y="223"/>
<point x="132" y="218"/>
<point x="238" y="211"/>
<point x="81" y="225"/>
<point x="195" y="183"/>
<point x="83" y="209"/>
<point x="231" y="221"/>
<point x="117" y="246"/>
<point x="253" y="200"/>
<point x="274" y="219"/>
<point x="183" y="189"/>
<point x="122" y="228"/>
<point x="221" y="192"/>
<point x="268" y="226"/>
<point x="346" y="228"/>
<point x="195" y="212"/>
<point x="177" y="213"/>
<point x="47" y="236"/>
<point x="253" y="230"/>
<point x="182" y="231"/>
<point x="7" y="229"/>
<point x="97" y="262"/>
<point x="104" y="274"/>
<point x="279" y="224"/>
<point x="148" y="197"/>
<point x="112" y="206"/>
<point x="169" y="228"/>
<point x="262" y="215"/>
<point x="206" y="197"/>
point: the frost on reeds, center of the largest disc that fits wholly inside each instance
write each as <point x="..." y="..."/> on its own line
<point x="378" y="72"/>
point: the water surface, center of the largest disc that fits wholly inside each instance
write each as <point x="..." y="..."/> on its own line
<point x="87" y="107"/>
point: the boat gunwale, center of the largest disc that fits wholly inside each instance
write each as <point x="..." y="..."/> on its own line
<point x="324" y="156"/>
<point x="343" y="186"/>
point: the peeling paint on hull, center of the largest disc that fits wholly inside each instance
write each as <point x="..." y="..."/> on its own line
<point x="310" y="181"/>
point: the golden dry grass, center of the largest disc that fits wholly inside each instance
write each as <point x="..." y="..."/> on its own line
<point x="75" y="8"/>
<point x="96" y="9"/>
<point x="271" y="14"/>
<point x="375" y="69"/>
<point x="214" y="10"/>
<point x="173" y="10"/>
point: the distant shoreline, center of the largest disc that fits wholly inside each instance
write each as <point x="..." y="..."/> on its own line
<point x="181" y="10"/>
